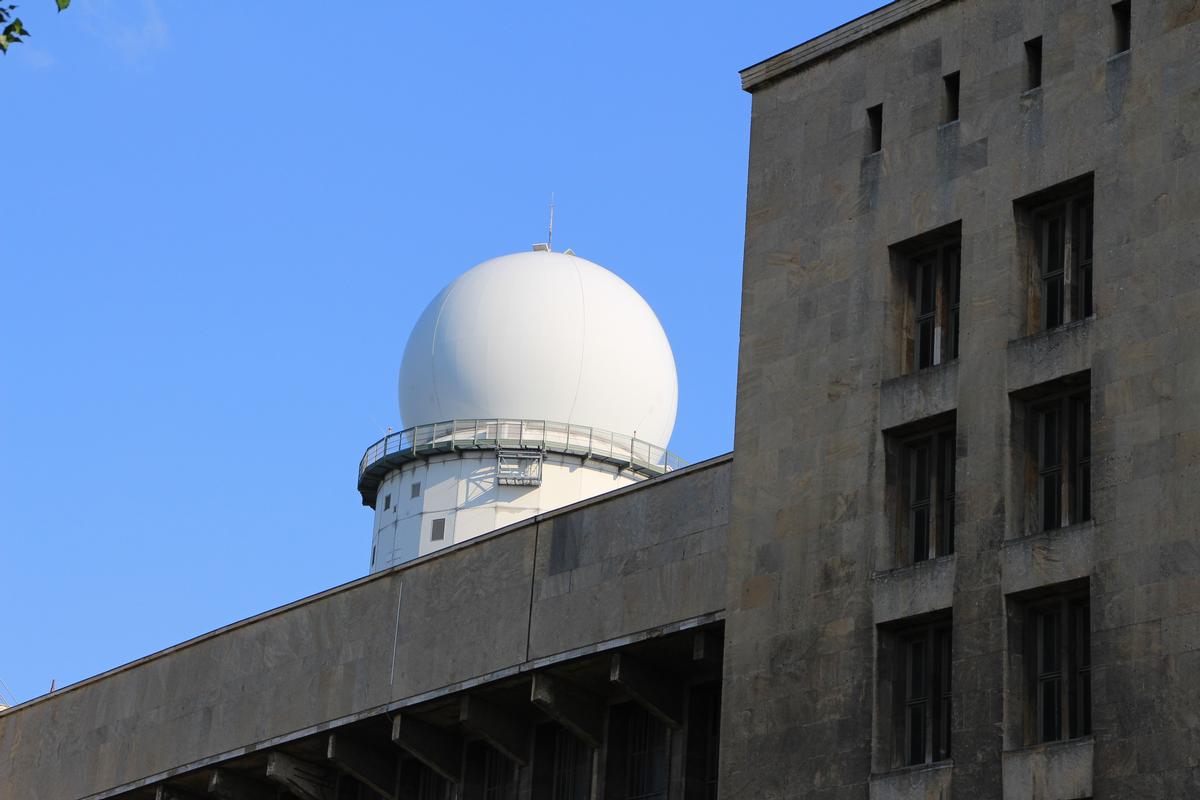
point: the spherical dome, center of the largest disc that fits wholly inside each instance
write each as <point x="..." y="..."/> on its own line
<point x="542" y="336"/>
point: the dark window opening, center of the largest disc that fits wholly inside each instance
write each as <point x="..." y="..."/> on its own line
<point x="438" y="533"/>
<point x="1064" y="454"/>
<point x="874" y="129"/>
<point x="489" y="774"/>
<point x="950" y="106"/>
<point x="1058" y="648"/>
<point x="1122" y="26"/>
<point x="1062" y="247"/>
<point x="927" y="526"/>
<point x="703" y="743"/>
<point x="921" y="691"/>
<point x="562" y="768"/>
<point x="416" y="489"/>
<point x="387" y="502"/>
<point x="418" y="782"/>
<point x="638" y="750"/>
<point x="933" y="287"/>
<point x="1033" y="63"/>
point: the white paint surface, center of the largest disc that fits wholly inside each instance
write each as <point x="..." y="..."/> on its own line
<point x="542" y="336"/>
<point x="461" y="488"/>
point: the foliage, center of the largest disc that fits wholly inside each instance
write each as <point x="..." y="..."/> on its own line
<point x="13" y="31"/>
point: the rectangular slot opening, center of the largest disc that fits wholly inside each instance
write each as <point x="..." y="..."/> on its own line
<point x="1122" y="17"/>
<point x="1033" y="63"/>
<point x="950" y="102"/>
<point x="874" y="129"/>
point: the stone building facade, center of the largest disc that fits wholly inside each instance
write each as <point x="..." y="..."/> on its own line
<point x="957" y="553"/>
<point x="964" y="552"/>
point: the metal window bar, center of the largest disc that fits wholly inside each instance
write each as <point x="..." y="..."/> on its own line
<point x="954" y="295"/>
<point x="919" y="499"/>
<point x="1082" y="250"/>
<point x="572" y="777"/>
<point x="916" y="701"/>
<point x="1050" y="462"/>
<point x="941" y="693"/>
<point x="925" y="313"/>
<point x="1049" y="684"/>
<point x="1080" y="662"/>
<point x="646" y="765"/>
<point x="1053" y="274"/>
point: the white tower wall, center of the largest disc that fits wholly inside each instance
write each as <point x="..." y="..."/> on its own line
<point x="461" y="489"/>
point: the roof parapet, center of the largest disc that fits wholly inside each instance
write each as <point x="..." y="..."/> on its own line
<point x="839" y="38"/>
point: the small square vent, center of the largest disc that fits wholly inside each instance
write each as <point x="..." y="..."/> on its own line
<point x="517" y="468"/>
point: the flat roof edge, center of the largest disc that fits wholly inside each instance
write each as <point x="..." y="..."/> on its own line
<point x="837" y="39"/>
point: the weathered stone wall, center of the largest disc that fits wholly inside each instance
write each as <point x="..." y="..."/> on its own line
<point x="615" y="566"/>
<point x="818" y="382"/>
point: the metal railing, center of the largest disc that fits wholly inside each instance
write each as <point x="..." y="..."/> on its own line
<point x="520" y="434"/>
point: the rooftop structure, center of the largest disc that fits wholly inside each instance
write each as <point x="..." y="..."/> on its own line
<point x="531" y="381"/>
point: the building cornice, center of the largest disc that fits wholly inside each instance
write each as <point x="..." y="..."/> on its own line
<point x="837" y="39"/>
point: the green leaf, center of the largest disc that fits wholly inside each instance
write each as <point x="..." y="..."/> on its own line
<point x="3" y="44"/>
<point x="62" y="4"/>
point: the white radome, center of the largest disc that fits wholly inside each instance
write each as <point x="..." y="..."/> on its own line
<point x="541" y="336"/>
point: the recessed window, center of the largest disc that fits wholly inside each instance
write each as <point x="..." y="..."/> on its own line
<point x="416" y="489"/>
<point x="916" y="671"/>
<point x="925" y="495"/>
<point x="1122" y="26"/>
<point x="874" y="129"/>
<point x="638" y="747"/>
<point x="438" y="532"/>
<point x="928" y="271"/>
<point x="1064" y="455"/>
<point x="1033" y="63"/>
<point x="562" y="764"/>
<point x="387" y="502"/>
<point x="1054" y="645"/>
<point x="1059" y="227"/>
<point x="1052" y="432"/>
<point x="488" y="774"/>
<point x="703" y="743"/>
<point x="950" y="98"/>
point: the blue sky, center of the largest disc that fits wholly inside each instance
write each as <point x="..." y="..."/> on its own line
<point x="222" y="220"/>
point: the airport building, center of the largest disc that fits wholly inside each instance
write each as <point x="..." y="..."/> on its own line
<point x="957" y="553"/>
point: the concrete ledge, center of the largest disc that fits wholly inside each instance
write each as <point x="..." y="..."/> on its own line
<point x="918" y="395"/>
<point x="929" y="782"/>
<point x="1058" y="771"/>
<point x="839" y="38"/>
<point x="1046" y="558"/>
<point x="1050" y="355"/>
<point x="911" y="591"/>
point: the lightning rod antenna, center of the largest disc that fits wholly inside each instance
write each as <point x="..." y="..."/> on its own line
<point x="550" y="234"/>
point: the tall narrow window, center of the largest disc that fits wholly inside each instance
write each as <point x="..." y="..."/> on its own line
<point x="1122" y="26"/>
<point x="951" y="280"/>
<point x="562" y="765"/>
<point x="438" y="531"/>
<point x="703" y="743"/>
<point x="1064" y="454"/>
<point x="922" y="723"/>
<point x="950" y="99"/>
<point x="387" y="502"/>
<point x="1062" y="287"/>
<point x="488" y="775"/>
<point x="874" y="129"/>
<point x="928" y="524"/>
<point x="1081" y="247"/>
<point x="1059" y="653"/>
<point x="646" y="757"/>
<point x="1033" y="63"/>
<point x="934" y="295"/>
